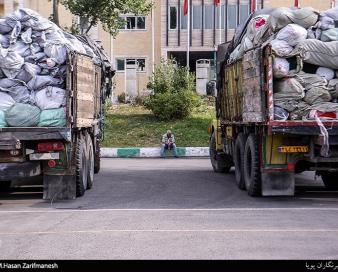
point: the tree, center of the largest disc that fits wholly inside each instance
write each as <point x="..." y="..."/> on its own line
<point x="107" y="11"/>
<point x="174" y="95"/>
<point x="55" y="13"/>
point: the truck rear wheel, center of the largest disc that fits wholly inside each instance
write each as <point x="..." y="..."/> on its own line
<point x="90" y="161"/>
<point x="81" y="166"/>
<point x="239" y="160"/>
<point x="218" y="164"/>
<point x="252" y="173"/>
<point x="330" y="180"/>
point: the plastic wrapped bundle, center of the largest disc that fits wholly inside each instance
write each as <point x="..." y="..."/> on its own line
<point x="319" y="53"/>
<point x="53" y="118"/>
<point x="10" y="62"/>
<point x="281" y="48"/>
<point x="3" y="122"/>
<point x="292" y="34"/>
<point x="6" y="101"/>
<point x="50" y="98"/>
<point x="329" y="35"/>
<point x="22" y="115"/>
<point x="326" y="73"/>
<point x="281" y="67"/>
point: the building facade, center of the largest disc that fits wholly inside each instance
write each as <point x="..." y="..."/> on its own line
<point x="144" y="40"/>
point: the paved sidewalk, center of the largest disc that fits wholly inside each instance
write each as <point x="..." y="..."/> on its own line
<point x="152" y="152"/>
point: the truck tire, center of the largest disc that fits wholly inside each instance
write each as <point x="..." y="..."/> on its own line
<point x="330" y="180"/>
<point x="81" y="166"/>
<point x="90" y="161"/>
<point x="5" y="185"/>
<point x="219" y="165"/>
<point x="239" y="160"/>
<point x="252" y="172"/>
<point x="97" y="157"/>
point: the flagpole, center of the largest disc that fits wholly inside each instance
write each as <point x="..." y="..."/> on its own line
<point x="220" y="22"/>
<point x="188" y="31"/>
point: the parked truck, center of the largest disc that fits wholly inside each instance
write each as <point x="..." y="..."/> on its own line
<point x="66" y="157"/>
<point x="266" y="152"/>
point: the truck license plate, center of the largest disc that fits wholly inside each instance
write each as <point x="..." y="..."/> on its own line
<point x="44" y="156"/>
<point x="293" y="149"/>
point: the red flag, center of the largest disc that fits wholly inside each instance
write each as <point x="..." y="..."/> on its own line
<point x="185" y="7"/>
<point x="296" y="3"/>
<point x="253" y="6"/>
<point x="217" y="2"/>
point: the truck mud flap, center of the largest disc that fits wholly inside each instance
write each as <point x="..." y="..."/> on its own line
<point x="59" y="187"/>
<point x="278" y="183"/>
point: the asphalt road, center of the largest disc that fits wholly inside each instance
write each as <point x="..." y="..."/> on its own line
<point x="170" y="209"/>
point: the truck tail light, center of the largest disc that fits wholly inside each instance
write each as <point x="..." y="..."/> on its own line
<point x="50" y="146"/>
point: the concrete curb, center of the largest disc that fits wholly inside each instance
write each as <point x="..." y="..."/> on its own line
<point x="152" y="152"/>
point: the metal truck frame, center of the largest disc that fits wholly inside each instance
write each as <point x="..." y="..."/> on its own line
<point x="266" y="153"/>
<point x="66" y="157"/>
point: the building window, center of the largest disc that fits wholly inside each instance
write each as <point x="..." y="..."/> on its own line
<point x="134" y="22"/>
<point x="209" y="17"/>
<point x="141" y="22"/>
<point x="173" y="18"/>
<point x="184" y="19"/>
<point x="243" y="13"/>
<point x="197" y="17"/>
<point x="222" y="7"/>
<point x="121" y="64"/>
<point x="232" y="16"/>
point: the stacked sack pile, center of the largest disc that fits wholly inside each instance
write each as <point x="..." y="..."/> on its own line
<point x="305" y="64"/>
<point x="33" y="54"/>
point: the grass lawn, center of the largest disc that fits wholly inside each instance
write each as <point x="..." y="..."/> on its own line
<point x="135" y="126"/>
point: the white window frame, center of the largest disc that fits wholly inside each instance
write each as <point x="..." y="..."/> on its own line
<point x="124" y="17"/>
<point x="133" y="58"/>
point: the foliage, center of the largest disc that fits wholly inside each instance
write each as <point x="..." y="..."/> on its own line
<point x="135" y="126"/>
<point x="121" y="98"/>
<point x="74" y="28"/>
<point x="174" y="94"/>
<point x="140" y="100"/>
<point x="107" y="11"/>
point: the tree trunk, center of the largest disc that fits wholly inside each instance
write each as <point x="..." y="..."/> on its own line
<point x="56" y="12"/>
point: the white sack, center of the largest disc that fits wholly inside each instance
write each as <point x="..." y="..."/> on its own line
<point x="292" y="34"/>
<point x="281" y="67"/>
<point x="326" y="22"/>
<point x="57" y="52"/>
<point x="319" y="53"/>
<point x="10" y="62"/>
<point x="326" y="73"/>
<point x="26" y="36"/>
<point x="6" y="101"/>
<point x="281" y="48"/>
<point x="50" y="98"/>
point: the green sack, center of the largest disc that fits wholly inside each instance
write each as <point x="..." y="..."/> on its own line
<point x="22" y="115"/>
<point x="3" y="122"/>
<point x="53" y="118"/>
<point x="329" y="35"/>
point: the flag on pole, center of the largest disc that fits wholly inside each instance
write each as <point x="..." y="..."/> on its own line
<point x="253" y="5"/>
<point x="185" y="7"/>
<point x="217" y="2"/>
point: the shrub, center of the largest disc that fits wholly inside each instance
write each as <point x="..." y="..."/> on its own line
<point x="121" y="98"/>
<point x="140" y="100"/>
<point x="174" y="95"/>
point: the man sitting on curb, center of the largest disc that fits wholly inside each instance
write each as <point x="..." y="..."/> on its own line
<point x="168" y="143"/>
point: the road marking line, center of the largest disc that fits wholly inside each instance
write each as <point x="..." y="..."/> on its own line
<point x="66" y="210"/>
<point x="165" y="230"/>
